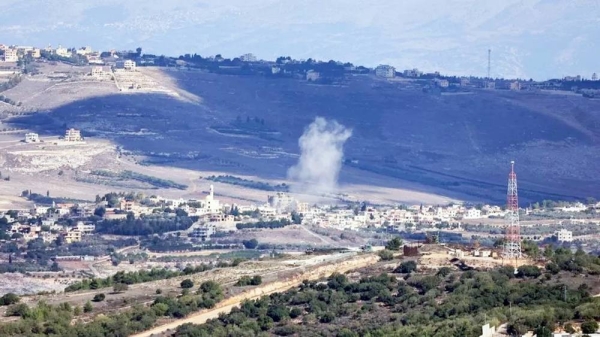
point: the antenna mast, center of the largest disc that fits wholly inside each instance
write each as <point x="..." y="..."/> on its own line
<point x="512" y="246"/>
<point x="489" y="63"/>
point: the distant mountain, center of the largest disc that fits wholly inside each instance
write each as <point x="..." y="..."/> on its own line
<point x="528" y="38"/>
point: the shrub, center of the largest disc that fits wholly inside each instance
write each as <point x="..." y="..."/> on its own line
<point x="295" y="312"/>
<point x="250" y="244"/>
<point x="394" y="244"/>
<point x="528" y="271"/>
<point x="120" y="287"/>
<point x="406" y="267"/>
<point x="99" y="297"/>
<point x="9" y="299"/>
<point x="327" y="317"/>
<point x="589" y="326"/>
<point x="386" y="255"/>
<point x="187" y="283"/>
<point x="88" y="307"/>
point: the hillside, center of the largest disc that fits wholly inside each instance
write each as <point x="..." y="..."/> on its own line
<point x="529" y="38"/>
<point x="455" y="144"/>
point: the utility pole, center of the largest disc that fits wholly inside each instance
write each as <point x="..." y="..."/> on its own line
<point x="489" y="63"/>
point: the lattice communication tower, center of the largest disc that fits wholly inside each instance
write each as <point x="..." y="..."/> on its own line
<point x="512" y="246"/>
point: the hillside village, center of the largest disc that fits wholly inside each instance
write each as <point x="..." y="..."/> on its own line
<point x="105" y="64"/>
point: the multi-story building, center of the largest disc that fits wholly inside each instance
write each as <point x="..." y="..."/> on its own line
<point x="32" y="137"/>
<point x="62" y="52"/>
<point x="248" y="57"/>
<point x="385" y="71"/>
<point x="516" y="86"/>
<point x="97" y="72"/>
<point x="11" y="55"/>
<point x="564" y="235"/>
<point x="73" y="235"/>
<point x="128" y="65"/>
<point x="203" y="231"/>
<point x="73" y="135"/>
<point x="413" y="73"/>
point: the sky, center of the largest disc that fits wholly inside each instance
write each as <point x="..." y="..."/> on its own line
<point x="537" y="39"/>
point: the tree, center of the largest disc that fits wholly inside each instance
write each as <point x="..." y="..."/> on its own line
<point x="120" y="287"/>
<point x="406" y="267"/>
<point x="528" y="271"/>
<point x="250" y="244"/>
<point x="9" y="299"/>
<point x="77" y="311"/>
<point x="394" y="244"/>
<point x="100" y="211"/>
<point x="99" y="297"/>
<point x="88" y="307"/>
<point x="589" y="326"/>
<point x="187" y="283"/>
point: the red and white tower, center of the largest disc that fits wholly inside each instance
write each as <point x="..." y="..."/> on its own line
<point x="512" y="246"/>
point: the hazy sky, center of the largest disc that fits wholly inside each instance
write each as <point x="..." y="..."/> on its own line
<point x="528" y="38"/>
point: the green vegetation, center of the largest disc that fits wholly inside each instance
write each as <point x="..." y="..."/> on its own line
<point x="187" y="283"/>
<point x="386" y="255"/>
<point x="264" y="224"/>
<point x="9" y="299"/>
<point x="257" y="185"/>
<point x="130" y="175"/>
<point x="134" y="277"/>
<point x="250" y="244"/>
<point x="99" y="297"/>
<point x="394" y="244"/>
<point x="146" y="224"/>
<point x="249" y="281"/>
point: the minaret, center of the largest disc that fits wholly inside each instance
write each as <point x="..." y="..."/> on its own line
<point x="212" y="192"/>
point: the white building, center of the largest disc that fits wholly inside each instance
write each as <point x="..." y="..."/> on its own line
<point x="472" y="213"/>
<point x="84" y="51"/>
<point x="73" y="135"/>
<point x="203" y="231"/>
<point x="312" y="75"/>
<point x="248" y="57"/>
<point x="32" y="137"/>
<point x="385" y="71"/>
<point x="10" y="55"/>
<point x="97" y="72"/>
<point x="564" y="235"/>
<point x="128" y="65"/>
<point x="62" y="52"/>
<point x="282" y="202"/>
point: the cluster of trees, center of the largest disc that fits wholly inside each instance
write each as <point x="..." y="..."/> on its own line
<point x="447" y="303"/>
<point x="249" y="281"/>
<point x="145" y="225"/>
<point x="264" y="224"/>
<point x="11" y="83"/>
<point x="130" y="175"/>
<point x="136" y="277"/>
<point x="48" y="320"/>
<point x="258" y="185"/>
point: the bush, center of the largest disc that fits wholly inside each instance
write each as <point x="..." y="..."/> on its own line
<point x="99" y="297"/>
<point x="248" y="281"/>
<point x="88" y="307"/>
<point x="20" y="310"/>
<point x="120" y="287"/>
<point x="394" y="244"/>
<point x="295" y="312"/>
<point x="386" y="255"/>
<point x="528" y="271"/>
<point x="187" y="283"/>
<point x="9" y="299"/>
<point x="250" y="244"/>
<point x="158" y="291"/>
<point x="327" y="317"/>
<point x="589" y="326"/>
<point x="406" y="267"/>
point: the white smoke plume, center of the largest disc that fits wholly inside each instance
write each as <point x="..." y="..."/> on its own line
<point x="320" y="162"/>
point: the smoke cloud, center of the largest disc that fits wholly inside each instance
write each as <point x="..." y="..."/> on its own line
<point x="320" y="162"/>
